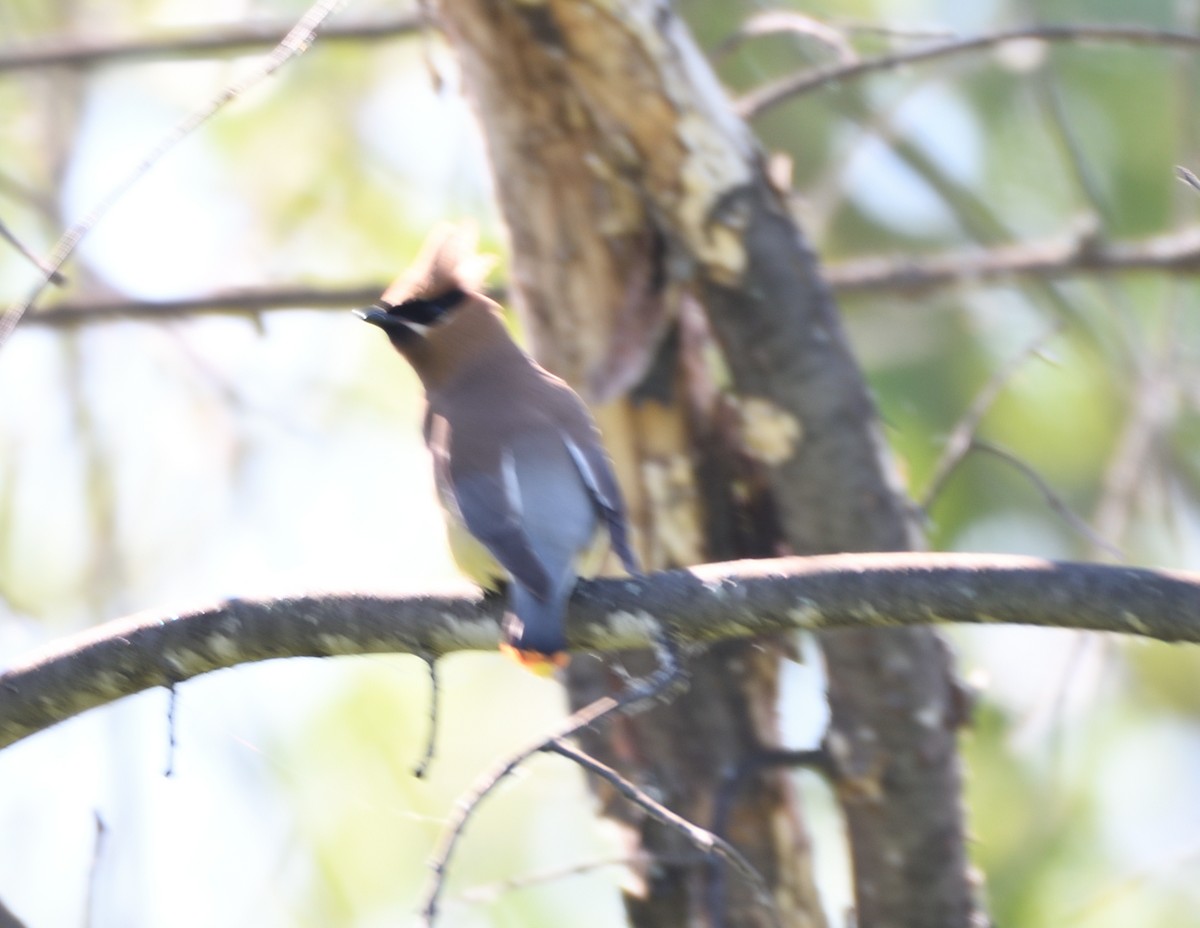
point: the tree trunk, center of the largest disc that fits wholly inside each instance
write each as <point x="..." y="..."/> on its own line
<point x="640" y="217"/>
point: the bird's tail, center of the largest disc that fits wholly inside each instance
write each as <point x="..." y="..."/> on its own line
<point x="534" y="631"/>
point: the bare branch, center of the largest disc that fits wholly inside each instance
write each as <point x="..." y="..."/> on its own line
<point x="773" y="22"/>
<point x="98" y="846"/>
<point x="241" y="302"/>
<point x="703" y="604"/>
<point x="668" y="673"/>
<point x="296" y="42"/>
<point x="1176" y="252"/>
<point x="490" y="892"/>
<point x="727" y="795"/>
<point x="52" y="276"/>
<point x="1047" y="86"/>
<point x="958" y="444"/>
<point x="1053" y="500"/>
<point x="703" y="840"/>
<point x="776" y="92"/>
<point x="211" y="41"/>
<point x="435" y="695"/>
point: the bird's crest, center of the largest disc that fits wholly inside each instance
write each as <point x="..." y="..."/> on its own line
<point x="447" y="261"/>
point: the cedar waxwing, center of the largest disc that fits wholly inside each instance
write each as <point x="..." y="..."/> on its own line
<point x="528" y="491"/>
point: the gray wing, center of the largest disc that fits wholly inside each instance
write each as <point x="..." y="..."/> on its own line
<point x="487" y="505"/>
<point x="596" y="470"/>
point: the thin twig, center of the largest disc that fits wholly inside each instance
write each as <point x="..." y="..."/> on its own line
<point x="241" y="302"/>
<point x="422" y="766"/>
<point x="730" y="789"/>
<point x="52" y="276"/>
<point x="172" y="742"/>
<point x="702" y="839"/>
<point x="492" y="891"/>
<point x="1174" y="252"/>
<point x="774" y="22"/>
<point x="669" y="672"/>
<point x="758" y="101"/>
<point x="101" y="832"/>
<point x="1053" y="500"/>
<point x="1047" y="87"/>
<point x="731" y="785"/>
<point x="1046" y="84"/>
<point x="211" y="41"/>
<point x="958" y="443"/>
<point x="293" y="44"/>
<point x="1146" y="420"/>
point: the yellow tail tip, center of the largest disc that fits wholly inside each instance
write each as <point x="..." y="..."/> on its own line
<point x="544" y="665"/>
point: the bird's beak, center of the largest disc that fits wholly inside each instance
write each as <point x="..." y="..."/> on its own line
<point x="371" y="314"/>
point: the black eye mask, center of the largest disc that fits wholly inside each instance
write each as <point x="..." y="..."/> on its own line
<point x="424" y="312"/>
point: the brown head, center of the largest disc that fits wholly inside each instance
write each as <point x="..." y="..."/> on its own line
<point x="434" y="315"/>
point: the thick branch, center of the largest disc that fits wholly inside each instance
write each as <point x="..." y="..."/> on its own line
<point x="704" y="604"/>
<point x="234" y="39"/>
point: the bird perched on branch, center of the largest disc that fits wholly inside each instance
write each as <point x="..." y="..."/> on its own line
<point x="528" y="491"/>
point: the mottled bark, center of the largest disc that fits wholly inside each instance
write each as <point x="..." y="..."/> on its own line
<point x="598" y="286"/>
<point x="709" y="603"/>
<point x="894" y="701"/>
<point x="629" y="186"/>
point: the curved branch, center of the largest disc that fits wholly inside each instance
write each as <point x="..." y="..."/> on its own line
<point x="712" y="845"/>
<point x="703" y="604"/>
<point x="776" y="92"/>
<point x="1173" y="252"/>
